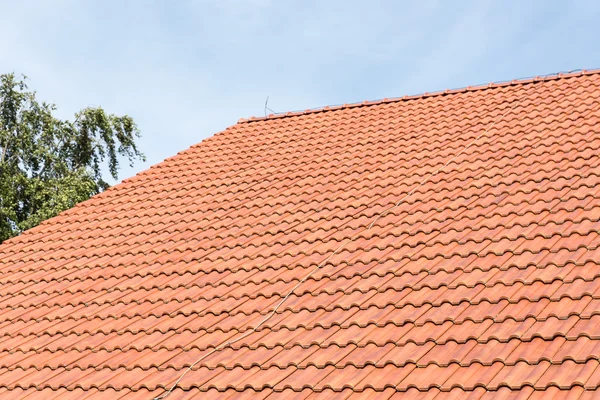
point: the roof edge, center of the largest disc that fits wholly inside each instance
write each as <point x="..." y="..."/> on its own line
<point x="520" y="81"/>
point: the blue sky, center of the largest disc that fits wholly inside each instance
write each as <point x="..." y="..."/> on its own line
<point x="185" y="70"/>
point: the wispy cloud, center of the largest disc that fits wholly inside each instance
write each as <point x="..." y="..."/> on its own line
<point x="185" y="70"/>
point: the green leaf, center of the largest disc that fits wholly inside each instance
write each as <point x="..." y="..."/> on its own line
<point x="48" y="165"/>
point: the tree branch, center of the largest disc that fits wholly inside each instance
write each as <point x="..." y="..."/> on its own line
<point x="4" y="149"/>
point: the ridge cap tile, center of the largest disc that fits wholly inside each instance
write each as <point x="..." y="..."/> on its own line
<point x="424" y="95"/>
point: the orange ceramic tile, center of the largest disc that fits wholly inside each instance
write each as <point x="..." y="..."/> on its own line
<point x="567" y="374"/>
<point x="478" y="280"/>
<point x="449" y="352"/>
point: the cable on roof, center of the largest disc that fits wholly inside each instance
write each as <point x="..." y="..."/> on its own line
<point x="380" y="215"/>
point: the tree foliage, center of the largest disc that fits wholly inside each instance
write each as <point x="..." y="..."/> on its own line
<point x="48" y="165"/>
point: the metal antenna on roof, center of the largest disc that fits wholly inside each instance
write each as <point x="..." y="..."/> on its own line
<point x="267" y="107"/>
<point x="381" y="214"/>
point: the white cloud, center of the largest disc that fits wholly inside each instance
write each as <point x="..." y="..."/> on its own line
<point x="185" y="70"/>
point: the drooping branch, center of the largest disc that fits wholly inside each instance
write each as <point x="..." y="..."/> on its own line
<point x="48" y="165"/>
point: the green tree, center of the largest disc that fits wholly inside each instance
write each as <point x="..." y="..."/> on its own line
<point x="48" y="165"/>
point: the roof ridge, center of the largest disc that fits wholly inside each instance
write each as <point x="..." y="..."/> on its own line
<point x="497" y="84"/>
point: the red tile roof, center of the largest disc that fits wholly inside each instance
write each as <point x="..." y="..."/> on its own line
<point x="483" y="282"/>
